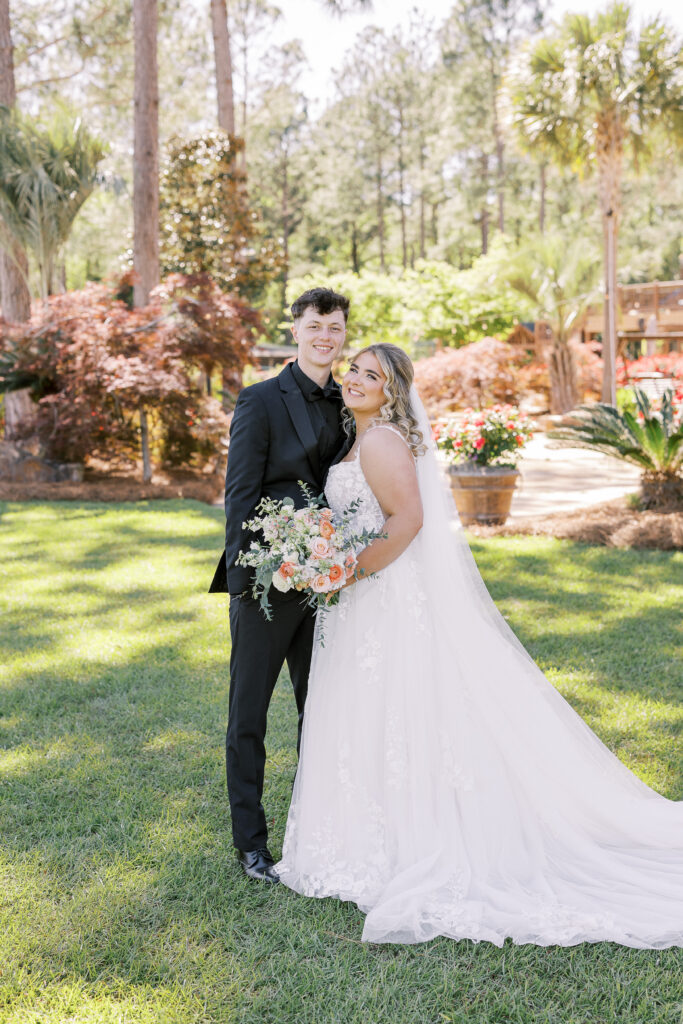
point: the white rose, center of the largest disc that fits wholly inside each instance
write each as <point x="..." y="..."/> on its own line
<point x="281" y="583"/>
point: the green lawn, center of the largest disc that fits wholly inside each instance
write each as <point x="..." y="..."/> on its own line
<point x="121" y="900"/>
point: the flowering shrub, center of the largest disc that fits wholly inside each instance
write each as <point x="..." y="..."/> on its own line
<point x="494" y="437"/>
<point x="94" y="365"/>
<point x="669" y="364"/>
<point x="474" y="375"/>
<point x="490" y="370"/>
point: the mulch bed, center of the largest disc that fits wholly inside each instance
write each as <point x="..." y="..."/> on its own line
<point x="612" y="523"/>
<point x="108" y="487"/>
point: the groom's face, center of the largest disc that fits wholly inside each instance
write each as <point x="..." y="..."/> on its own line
<point x="320" y="337"/>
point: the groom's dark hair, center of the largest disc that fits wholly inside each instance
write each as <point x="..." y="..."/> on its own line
<point x="323" y="300"/>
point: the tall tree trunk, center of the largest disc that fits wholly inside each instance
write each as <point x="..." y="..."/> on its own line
<point x="144" y="444"/>
<point x="484" y="215"/>
<point x="380" y="209"/>
<point x="223" y="62"/>
<point x="15" y="297"/>
<point x="609" y="151"/>
<point x="226" y="120"/>
<point x="434" y="223"/>
<point x="355" y="260"/>
<point x="146" y="154"/>
<point x="564" y="386"/>
<point x="145" y="175"/>
<point x="401" y="187"/>
<point x="541" y="206"/>
<point x="422" y="202"/>
<point x="500" y="154"/>
<point x="285" y="225"/>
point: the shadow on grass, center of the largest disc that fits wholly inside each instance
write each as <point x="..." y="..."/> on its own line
<point x="575" y="600"/>
<point x="117" y="862"/>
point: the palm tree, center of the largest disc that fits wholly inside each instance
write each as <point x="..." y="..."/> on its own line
<point x="46" y="174"/>
<point x="585" y="95"/>
<point x="650" y="439"/>
<point x="15" y="296"/>
<point x="559" y="277"/>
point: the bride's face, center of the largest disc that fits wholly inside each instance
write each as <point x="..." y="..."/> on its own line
<point x="363" y="385"/>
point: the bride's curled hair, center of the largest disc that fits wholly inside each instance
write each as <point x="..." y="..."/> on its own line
<point x="398" y="370"/>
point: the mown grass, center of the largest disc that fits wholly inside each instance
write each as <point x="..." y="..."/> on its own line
<point x="120" y="900"/>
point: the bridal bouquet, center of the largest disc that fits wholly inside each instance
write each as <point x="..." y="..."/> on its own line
<point x="305" y="549"/>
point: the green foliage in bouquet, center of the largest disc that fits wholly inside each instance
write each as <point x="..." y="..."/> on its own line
<point x="304" y="549"/>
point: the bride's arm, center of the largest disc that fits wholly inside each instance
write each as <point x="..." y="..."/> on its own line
<point x="389" y="468"/>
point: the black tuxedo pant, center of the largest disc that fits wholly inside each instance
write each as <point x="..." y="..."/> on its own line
<point x="259" y="650"/>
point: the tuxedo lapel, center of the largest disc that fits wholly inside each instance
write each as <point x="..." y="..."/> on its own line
<point x="343" y="451"/>
<point x="295" y="404"/>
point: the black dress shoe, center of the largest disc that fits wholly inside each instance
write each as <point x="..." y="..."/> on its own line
<point x="258" y="864"/>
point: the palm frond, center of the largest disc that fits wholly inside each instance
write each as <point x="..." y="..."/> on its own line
<point x="652" y="440"/>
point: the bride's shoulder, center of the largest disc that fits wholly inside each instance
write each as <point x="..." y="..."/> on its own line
<point x="383" y="443"/>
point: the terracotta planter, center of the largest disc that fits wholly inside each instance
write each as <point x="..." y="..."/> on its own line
<point x="483" y="494"/>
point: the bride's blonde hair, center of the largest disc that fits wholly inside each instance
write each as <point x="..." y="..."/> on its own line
<point x="398" y="370"/>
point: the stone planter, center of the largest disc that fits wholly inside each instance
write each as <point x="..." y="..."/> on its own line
<point x="20" y="465"/>
<point x="483" y="494"/>
<point x="70" y="471"/>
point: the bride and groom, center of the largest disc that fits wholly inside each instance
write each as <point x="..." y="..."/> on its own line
<point x="444" y="785"/>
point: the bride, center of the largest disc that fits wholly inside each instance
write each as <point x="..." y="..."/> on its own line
<point x="444" y="785"/>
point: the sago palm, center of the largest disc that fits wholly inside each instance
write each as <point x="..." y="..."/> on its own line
<point x="651" y="439"/>
<point x="46" y="174"/>
<point x="586" y="94"/>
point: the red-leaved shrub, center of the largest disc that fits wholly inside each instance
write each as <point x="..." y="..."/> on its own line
<point x="93" y="364"/>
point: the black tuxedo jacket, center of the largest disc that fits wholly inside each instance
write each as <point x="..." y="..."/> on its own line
<point x="272" y="447"/>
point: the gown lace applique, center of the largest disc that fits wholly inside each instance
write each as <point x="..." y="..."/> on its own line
<point x="447" y="788"/>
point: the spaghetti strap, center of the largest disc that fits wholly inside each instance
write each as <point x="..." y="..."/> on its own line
<point x="386" y="426"/>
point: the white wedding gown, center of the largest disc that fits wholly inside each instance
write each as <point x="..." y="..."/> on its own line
<point x="445" y="786"/>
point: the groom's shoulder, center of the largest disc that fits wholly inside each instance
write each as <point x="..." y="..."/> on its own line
<point x="260" y="394"/>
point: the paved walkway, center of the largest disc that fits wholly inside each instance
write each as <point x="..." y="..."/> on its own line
<point x="563" y="479"/>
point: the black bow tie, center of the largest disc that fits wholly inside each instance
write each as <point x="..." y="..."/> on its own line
<point x="329" y="391"/>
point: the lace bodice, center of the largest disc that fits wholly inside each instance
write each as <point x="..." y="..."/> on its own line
<point x="346" y="483"/>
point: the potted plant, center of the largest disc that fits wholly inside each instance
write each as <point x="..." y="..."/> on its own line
<point x="482" y="448"/>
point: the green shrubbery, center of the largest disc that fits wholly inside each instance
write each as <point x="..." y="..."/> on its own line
<point x="432" y="303"/>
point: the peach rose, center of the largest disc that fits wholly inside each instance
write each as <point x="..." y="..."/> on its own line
<point x="325" y="513"/>
<point x="320" y="584"/>
<point x="319" y="547"/>
<point x="287" y="569"/>
<point x="336" y="574"/>
<point x="326" y="529"/>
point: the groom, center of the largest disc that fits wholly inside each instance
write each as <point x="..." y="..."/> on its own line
<point x="283" y="430"/>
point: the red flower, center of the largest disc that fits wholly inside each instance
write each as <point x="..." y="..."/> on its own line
<point x="479" y="443"/>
